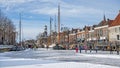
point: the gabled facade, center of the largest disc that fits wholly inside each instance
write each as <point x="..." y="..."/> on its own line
<point x="114" y="29"/>
<point x="81" y="36"/>
<point x="101" y="34"/>
<point x="91" y="34"/>
<point x="73" y="36"/>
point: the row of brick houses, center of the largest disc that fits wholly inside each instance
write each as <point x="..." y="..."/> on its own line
<point x="98" y="35"/>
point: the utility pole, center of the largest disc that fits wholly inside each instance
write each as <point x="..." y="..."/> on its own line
<point x="59" y="23"/>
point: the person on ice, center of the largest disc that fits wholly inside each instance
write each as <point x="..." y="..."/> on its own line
<point x="110" y="48"/>
<point x="90" y="48"/>
<point x="80" y="48"/>
<point x="96" y="49"/>
<point x="85" y="47"/>
<point x="76" y="48"/>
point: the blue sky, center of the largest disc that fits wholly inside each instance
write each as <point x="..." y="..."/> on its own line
<point x="74" y="13"/>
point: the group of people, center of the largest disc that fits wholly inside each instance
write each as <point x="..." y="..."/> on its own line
<point x="85" y="47"/>
<point x="95" y="48"/>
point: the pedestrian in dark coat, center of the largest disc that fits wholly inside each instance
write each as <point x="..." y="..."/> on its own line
<point x="90" y="48"/>
<point x="117" y="48"/>
<point x="80" y="48"/>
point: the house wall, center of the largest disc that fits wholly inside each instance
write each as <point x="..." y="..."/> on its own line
<point x="113" y="32"/>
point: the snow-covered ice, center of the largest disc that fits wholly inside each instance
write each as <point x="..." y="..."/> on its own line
<point x="34" y="63"/>
<point x="101" y="56"/>
<point x="43" y="58"/>
<point x="64" y="65"/>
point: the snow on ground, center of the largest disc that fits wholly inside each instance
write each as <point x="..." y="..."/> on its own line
<point x="33" y="63"/>
<point x="43" y="58"/>
<point x="111" y="56"/>
<point x="11" y="62"/>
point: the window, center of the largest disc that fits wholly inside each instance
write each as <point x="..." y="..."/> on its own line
<point x="115" y="29"/>
<point x="119" y="29"/>
<point x="101" y="32"/>
<point x="118" y="37"/>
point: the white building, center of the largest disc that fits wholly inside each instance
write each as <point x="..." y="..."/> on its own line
<point x="114" y="29"/>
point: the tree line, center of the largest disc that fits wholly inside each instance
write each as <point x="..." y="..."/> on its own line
<point x="7" y="28"/>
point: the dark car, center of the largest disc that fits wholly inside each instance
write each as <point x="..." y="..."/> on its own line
<point x="58" y="48"/>
<point x="17" y="48"/>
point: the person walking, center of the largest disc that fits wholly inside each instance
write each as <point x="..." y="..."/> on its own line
<point x="90" y="48"/>
<point x="111" y="52"/>
<point x="96" y="48"/>
<point x="76" y="48"/>
<point x="85" y="47"/>
<point x="47" y="47"/>
<point x="117" y="48"/>
<point x="80" y="48"/>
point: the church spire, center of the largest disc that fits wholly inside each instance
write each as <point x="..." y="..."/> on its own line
<point x="104" y="18"/>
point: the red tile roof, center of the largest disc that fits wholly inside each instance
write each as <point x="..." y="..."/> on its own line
<point x="102" y="23"/>
<point x="116" y="22"/>
<point x="110" y="22"/>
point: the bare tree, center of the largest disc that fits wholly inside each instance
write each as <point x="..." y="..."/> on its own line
<point x="7" y="29"/>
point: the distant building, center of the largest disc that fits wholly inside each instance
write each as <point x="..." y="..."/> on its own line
<point x="79" y="35"/>
<point x="114" y="29"/>
<point x="91" y="36"/>
<point x="73" y="36"/>
<point x="101" y="34"/>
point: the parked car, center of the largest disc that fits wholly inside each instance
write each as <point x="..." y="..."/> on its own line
<point x="17" y="48"/>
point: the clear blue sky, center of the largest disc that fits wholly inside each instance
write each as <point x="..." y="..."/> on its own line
<point x="74" y="13"/>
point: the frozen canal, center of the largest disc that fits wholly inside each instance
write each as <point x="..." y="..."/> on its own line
<point x="43" y="56"/>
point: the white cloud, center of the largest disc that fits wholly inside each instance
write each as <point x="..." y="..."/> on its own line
<point x="31" y="32"/>
<point x="67" y="10"/>
<point x="10" y="2"/>
<point x="45" y="11"/>
<point x="48" y="7"/>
